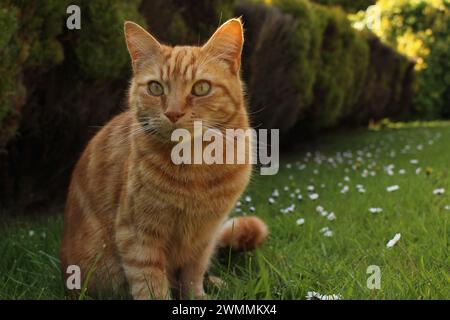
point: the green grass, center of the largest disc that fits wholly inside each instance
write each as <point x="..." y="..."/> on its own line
<point x="297" y="259"/>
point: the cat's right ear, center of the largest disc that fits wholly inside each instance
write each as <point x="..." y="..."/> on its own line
<point x="141" y="44"/>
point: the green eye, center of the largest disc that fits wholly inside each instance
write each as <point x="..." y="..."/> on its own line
<point x="155" y="88"/>
<point x="201" y="88"/>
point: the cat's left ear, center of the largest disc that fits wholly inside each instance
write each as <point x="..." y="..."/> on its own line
<point x="226" y="43"/>
<point x="141" y="44"/>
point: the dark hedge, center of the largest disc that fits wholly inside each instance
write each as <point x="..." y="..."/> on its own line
<point x="304" y="66"/>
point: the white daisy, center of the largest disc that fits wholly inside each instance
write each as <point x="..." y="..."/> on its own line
<point x="439" y="191"/>
<point x="291" y="208"/>
<point x="345" y="189"/>
<point x="394" y="240"/>
<point x="314" y="196"/>
<point x="328" y="233"/>
<point x="331" y="216"/>
<point x="275" y="193"/>
<point x="392" y="188"/>
<point x="375" y="210"/>
<point x="300" y="221"/>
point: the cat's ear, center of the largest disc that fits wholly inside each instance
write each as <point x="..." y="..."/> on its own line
<point x="226" y="43"/>
<point x="141" y="44"/>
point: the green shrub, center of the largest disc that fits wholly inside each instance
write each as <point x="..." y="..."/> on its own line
<point x="348" y="5"/>
<point x="342" y="67"/>
<point x="27" y="40"/>
<point x="307" y="67"/>
<point x="420" y="30"/>
<point x="304" y="66"/>
<point x="99" y="46"/>
<point x="187" y="22"/>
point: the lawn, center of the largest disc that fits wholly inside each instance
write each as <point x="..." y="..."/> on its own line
<point x="350" y="173"/>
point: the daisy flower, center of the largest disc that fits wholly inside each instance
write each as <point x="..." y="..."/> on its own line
<point x="291" y="208"/>
<point x="360" y="188"/>
<point x="392" y="188"/>
<point x="345" y="189"/>
<point x="326" y="232"/>
<point x="331" y="216"/>
<point x="275" y="193"/>
<point x="375" y="210"/>
<point x="394" y="240"/>
<point x="314" y="196"/>
<point x="300" y="221"/>
<point x="439" y="191"/>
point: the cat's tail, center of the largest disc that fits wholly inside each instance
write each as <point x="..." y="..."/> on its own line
<point x="243" y="233"/>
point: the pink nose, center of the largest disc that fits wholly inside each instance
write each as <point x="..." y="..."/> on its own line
<point x="174" y="115"/>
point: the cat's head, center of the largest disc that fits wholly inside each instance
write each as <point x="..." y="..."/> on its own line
<point x="174" y="86"/>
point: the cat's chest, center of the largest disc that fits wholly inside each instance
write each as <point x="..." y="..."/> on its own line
<point x="190" y="187"/>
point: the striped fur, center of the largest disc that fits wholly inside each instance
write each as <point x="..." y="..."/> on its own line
<point x="134" y="220"/>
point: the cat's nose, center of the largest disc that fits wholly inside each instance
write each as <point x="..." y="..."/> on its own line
<point x="174" y="115"/>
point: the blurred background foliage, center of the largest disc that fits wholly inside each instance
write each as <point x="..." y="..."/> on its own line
<point x="306" y="69"/>
<point x="419" y="29"/>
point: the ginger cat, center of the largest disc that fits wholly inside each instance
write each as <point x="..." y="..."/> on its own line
<point x="137" y="223"/>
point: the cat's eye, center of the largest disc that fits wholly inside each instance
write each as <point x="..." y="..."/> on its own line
<point x="155" y="88"/>
<point x="201" y="88"/>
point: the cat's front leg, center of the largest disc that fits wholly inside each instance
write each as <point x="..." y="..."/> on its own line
<point x="193" y="273"/>
<point x="144" y="265"/>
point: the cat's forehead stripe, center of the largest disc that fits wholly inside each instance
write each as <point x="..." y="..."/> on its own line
<point x="180" y="62"/>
